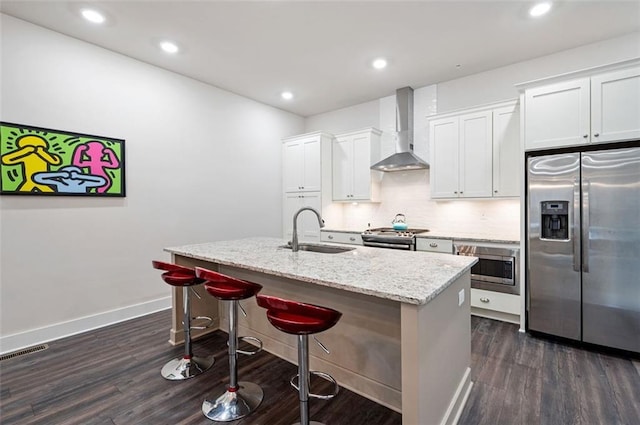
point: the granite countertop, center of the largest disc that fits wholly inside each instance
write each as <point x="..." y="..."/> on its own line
<point x="471" y="236"/>
<point x="407" y="276"/>
<point x="506" y="238"/>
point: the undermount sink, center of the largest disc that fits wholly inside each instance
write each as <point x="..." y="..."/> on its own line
<point x="324" y="249"/>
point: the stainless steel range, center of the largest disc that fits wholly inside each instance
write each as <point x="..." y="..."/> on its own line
<point x="387" y="237"/>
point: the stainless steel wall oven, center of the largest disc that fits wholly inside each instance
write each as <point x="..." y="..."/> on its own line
<point x="497" y="269"/>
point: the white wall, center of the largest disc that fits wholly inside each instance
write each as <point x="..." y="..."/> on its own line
<point x="202" y="164"/>
<point x="346" y="119"/>
<point x="408" y="192"/>
<point x="498" y="84"/>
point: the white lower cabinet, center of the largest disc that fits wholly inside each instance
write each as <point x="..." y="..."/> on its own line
<point x="351" y="238"/>
<point x="308" y="227"/>
<point x="495" y="305"/>
<point x="434" y="245"/>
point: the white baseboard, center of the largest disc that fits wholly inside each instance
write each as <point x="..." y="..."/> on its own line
<point x="18" y="341"/>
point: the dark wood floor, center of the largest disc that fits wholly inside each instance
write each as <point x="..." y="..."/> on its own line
<point x="111" y="377"/>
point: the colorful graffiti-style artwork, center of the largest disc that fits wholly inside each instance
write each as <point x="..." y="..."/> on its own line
<point x="40" y="161"/>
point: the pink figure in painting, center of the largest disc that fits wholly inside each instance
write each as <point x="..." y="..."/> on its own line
<point x="97" y="158"/>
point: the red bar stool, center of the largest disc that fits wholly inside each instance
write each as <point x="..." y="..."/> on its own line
<point x="238" y="399"/>
<point x="188" y="365"/>
<point x="302" y="320"/>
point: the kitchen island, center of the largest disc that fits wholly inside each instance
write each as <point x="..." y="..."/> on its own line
<point x="404" y="337"/>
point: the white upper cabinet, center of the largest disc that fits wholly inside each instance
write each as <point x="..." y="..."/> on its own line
<point x="302" y="162"/>
<point x="615" y="106"/>
<point x="596" y="108"/>
<point x="444" y="135"/>
<point x="476" y="145"/>
<point x="557" y="115"/>
<point x="506" y="151"/>
<point x="475" y="153"/>
<point x="353" y="154"/>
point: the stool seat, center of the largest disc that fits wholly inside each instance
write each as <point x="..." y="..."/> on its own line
<point x="225" y="287"/>
<point x="298" y="318"/>
<point x="180" y="278"/>
<point x="170" y="267"/>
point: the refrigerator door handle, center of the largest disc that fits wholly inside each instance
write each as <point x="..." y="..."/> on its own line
<point x="585" y="225"/>
<point x="576" y="225"/>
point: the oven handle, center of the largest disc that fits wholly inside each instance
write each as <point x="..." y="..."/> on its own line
<point x="388" y="245"/>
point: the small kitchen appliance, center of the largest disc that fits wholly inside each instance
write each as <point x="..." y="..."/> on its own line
<point x="497" y="269"/>
<point x="399" y="222"/>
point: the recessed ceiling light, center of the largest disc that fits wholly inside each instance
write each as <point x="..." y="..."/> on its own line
<point x="379" y="63"/>
<point x="540" y="9"/>
<point x="169" y="47"/>
<point x="93" y="16"/>
<point x="287" y="95"/>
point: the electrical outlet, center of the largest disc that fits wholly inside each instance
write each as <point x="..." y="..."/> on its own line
<point x="460" y="297"/>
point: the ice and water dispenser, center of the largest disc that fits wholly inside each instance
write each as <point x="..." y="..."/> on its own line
<point x="555" y="220"/>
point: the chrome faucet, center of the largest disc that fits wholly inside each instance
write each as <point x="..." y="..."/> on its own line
<point x="294" y="236"/>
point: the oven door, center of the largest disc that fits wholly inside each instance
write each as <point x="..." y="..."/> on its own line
<point x="496" y="269"/>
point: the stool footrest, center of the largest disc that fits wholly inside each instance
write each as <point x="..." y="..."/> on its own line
<point x="249" y="352"/>
<point x="208" y="324"/>
<point x="326" y="376"/>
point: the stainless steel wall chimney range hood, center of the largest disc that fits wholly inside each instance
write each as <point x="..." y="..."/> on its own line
<point x="404" y="158"/>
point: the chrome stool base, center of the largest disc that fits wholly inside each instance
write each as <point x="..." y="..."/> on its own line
<point x="181" y="369"/>
<point x="233" y="405"/>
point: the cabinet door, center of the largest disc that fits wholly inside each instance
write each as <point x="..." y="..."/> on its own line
<point x="557" y="115"/>
<point x="342" y="158"/>
<point x="506" y="151"/>
<point x="475" y="153"/>
<point x="308" y="228"/>
<point x="293" y="162"/>
<point x="311" y="173"/>
<point x="443" y="136"/>
<point x="361" y="167"/>
<point x="615" y="106"/>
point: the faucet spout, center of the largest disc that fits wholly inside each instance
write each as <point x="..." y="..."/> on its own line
<point x="294" y="236"/>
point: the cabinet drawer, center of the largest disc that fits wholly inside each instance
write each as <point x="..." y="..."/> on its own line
<point x="341" y="237"/>
<point x="434" y="245"/>
<point x="497" y="301"/>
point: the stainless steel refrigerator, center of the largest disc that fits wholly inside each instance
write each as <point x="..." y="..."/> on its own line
<point x="583" y="253"/>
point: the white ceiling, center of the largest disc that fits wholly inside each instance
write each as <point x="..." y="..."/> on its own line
<point x="321" y="51"/>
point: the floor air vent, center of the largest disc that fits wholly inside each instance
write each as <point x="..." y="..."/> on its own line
<point x="23" y="352"/>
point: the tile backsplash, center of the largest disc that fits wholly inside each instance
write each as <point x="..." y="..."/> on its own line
<point x="409" y="193"/>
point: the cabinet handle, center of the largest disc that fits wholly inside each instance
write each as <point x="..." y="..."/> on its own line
<point x="585" y="136"/>
<point x="484" y="300"/>
<point x="433" y="245"/>
<point x="495" y="191"/>
<point x="455" y="193"/>
<point x="330" y="236"/>
<point x="352" y="239"/>
<point x="596" y="135"/>
<point x="460" y="192"/>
